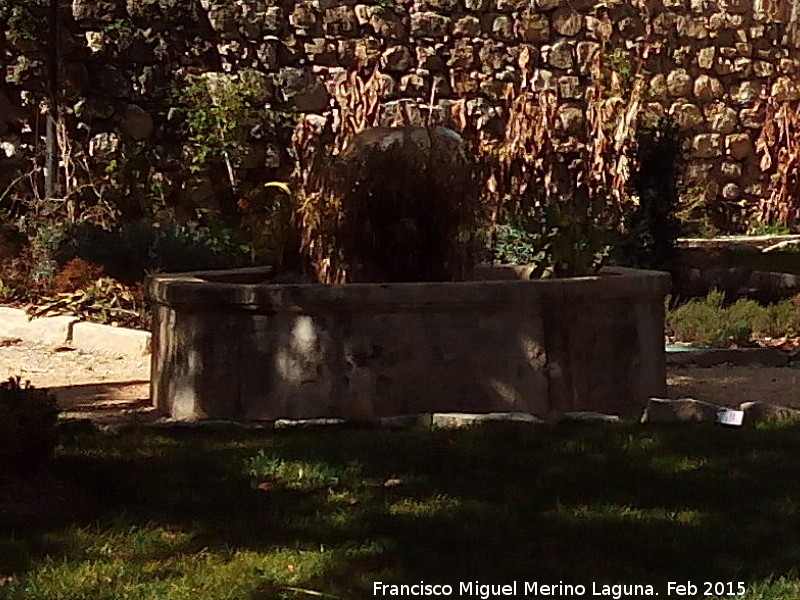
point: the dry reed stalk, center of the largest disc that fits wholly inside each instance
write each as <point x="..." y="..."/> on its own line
<point x="779" y="147"/>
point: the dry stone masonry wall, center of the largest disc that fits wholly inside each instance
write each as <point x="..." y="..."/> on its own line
<point x="712" y="63"/>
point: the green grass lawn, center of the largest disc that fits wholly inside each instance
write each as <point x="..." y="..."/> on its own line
<point x="204" y="515"/>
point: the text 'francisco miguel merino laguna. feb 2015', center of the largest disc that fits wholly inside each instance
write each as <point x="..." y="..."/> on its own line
<point x="534" y="589"/>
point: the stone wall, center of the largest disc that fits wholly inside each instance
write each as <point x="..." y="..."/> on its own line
<point x="712" y="62"/>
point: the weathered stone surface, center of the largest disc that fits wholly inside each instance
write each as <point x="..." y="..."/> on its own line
<point x="14" y="323"/>
<point x="381" y="362"/>
<point x="462" y="420"/>
<point x="396" y="58"/>
<point x="302" y="89"/>
<point x="119" y="341"/>
<point x="548" y="4"/>
<point x="691" y="27"/>
<point x="95" y="11"/>
<point x="570" y="88"/>
<point x="585" y="52"/>
<point x="679" y="83"/>
<point x="502" y="28"/>
<point x="755" y="412"/>
<point x="340" y="21"/>
<point x="567" y="21"/>
<point x="440" y="6"/>
<point x="747" y="92"/>
<point x="431" y="25"/>
<point x="388" y="25"/>
<point x="136" y="122"/>
<point x="752" y="118"/>
<point x="511" y="5"/>
<point x="560" y="55"/>
<point x="731" y="191"/>
<point x="467" y="26"/>
<point x="730" y="170"/>
<point x="684" y="410"/>
<point x="707" y="88"/>
<point x="590" y="416"/>
<point x="492" y="57"/>
<point x="532" y="27"/>
<point x="739" y="146"/>
<point x="687" y="116"/>
<point x="430" y="58"/>
<point x="707" y="145"/>
<point x="571" y="119"/>
<point x="304" y="16"/>
<point x="785" y="90"/>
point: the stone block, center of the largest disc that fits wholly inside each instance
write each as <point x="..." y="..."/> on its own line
<point x="10" y="319"/>
<point x="532" y="27"/>
<point x="707" y="145"/>
<point x="46" y="330"/>
<point x="722" y="119"/>
<point x="366" y="351"/>
<point x="679" y="83"/>
<point x="755" y="412"/>
<point x="567" y="21"/>
<point x="590" y="416"/>
<point x="406" y="421"/>
<point x="560" y="55"/>
<point x="707" y="88"/>
<point x="705" y="57"/>
<point x="502" y="28"/>
<point x="396" y="58"/>
<point x="430" y="25"/>
<point x="686" y="115"/>
<point x="684" y="410"/>
<point x="739" y="146"/>
<point x="467" y="26"/>
<point x="747" y="92"/>
<point x="94" y="337"/>
<point x="462" y="420"/>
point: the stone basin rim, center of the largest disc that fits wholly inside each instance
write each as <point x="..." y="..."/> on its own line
<point x="193" y="289"/>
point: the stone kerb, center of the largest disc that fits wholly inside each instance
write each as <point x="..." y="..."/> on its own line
<point x="70" y="330"/>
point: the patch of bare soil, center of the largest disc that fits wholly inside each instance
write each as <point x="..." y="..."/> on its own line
<point x="729" y="386"/>
<point x="85" y="384"/>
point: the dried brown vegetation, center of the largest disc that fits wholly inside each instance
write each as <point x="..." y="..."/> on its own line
<point x="575" y="185"/>
<point x="383" y="204"/>
<point x="779" y="147"/>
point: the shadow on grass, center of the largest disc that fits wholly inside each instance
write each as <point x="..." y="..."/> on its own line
<point x="334" y="511"/>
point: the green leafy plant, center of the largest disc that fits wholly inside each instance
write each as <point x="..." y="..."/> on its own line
<point x="383" y="6"/>
<point x="28" y="418"/>
<point x="24" y="19"/>
<point x="104" y="300"/>
<point x="219" y="114"/>
<point x="130" y="251"/>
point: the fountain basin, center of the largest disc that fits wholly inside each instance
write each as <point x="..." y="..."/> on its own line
<point x="235" y="345"/>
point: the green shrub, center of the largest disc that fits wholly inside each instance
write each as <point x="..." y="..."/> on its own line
<point x="28" y="419"/>
<point x="780" y="319"/>
<point x="132" y="250"/>
<point x="706" y="322"/>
